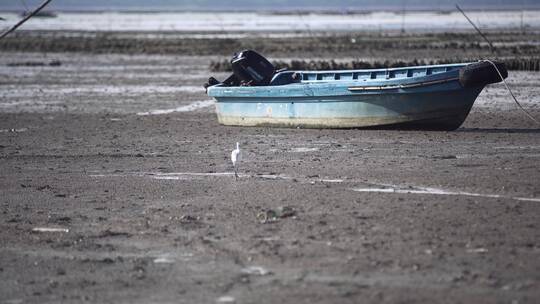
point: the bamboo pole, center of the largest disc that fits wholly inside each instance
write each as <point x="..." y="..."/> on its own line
<point x="32" y="14"/>
<point x="491" y="47"/>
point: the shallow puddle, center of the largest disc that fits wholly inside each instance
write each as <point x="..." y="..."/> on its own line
<point x="201" y="104"/>
<point x="304" y="149"/>
<point x="435" y="191"/>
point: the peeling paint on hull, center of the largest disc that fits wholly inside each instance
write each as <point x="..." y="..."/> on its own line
<point x="431" y="120"/>
<point x="442" y="110"/>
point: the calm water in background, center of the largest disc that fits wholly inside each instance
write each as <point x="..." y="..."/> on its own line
<point x="253" y="21"/>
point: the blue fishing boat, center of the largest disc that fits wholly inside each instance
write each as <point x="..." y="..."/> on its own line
<point x="436" y="97"/>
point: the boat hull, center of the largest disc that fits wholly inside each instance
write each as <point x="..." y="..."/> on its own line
<point x="427" y="97"/>
<point x="438" y="109"/>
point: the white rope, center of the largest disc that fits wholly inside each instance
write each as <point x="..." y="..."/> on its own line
<point x="510" y="91"/>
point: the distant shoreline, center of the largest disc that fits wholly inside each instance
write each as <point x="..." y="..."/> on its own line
<point x="228" y="22"/>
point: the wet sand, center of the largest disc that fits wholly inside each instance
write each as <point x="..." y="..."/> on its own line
<point x="154" y="214"/>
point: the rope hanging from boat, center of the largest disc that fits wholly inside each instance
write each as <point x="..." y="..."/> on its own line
<point x="492" y="48"/>
<point x="30" y="15"/>
<point x="511" y="93"/>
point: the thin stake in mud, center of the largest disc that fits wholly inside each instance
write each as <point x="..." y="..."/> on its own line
<point x="236" y="157"/>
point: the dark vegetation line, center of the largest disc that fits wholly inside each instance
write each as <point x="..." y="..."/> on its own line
<point x="529" y="64"/>
<point x="519" y="50"/>
<point x="362" y="45"/>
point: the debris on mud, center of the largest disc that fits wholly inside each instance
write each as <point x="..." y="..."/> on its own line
<point x="163" y="260"/>
<point x="111" y="233"/>
<point x="271" y="216"/>
<point x="189" y="218"/>
<point x="50" y="229"/>
<point x="226" y="299"/>
<point x="477" y="250"/>
<point x="256" y="270"/>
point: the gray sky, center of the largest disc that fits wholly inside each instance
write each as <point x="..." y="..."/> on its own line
<point x="339" y="5"/>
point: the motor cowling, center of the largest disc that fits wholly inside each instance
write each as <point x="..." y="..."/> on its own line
<point x="252" y="69"/>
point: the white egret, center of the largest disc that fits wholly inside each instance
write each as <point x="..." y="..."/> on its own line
<point x="236" y="157"/>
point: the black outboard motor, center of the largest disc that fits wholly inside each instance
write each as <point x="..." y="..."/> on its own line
<point x="249" y="69"/>
<point x="252" y="69"/>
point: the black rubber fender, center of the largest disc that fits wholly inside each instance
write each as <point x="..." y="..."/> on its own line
<point x="481" y="73"/>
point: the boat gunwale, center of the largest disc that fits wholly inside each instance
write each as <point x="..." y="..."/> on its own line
<point x="383" y="69"/>
<point x="349" y="86"/>
<point x="401" y="86"/>
<point x="352" y="86"/>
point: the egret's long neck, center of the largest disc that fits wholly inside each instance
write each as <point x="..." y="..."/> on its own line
<point x="237" y="146"/>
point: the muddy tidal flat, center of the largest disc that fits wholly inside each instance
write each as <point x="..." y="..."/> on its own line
<point x="116" y="187"/>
